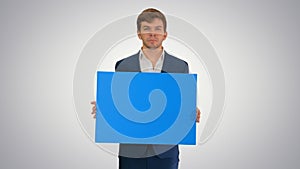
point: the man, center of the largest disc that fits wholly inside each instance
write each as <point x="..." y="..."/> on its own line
<point x="151" y="29"/>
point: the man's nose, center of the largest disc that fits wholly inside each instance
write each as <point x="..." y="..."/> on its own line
<point x="152" y="34"/>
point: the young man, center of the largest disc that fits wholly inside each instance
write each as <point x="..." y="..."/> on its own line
<point x="151" y="29"/>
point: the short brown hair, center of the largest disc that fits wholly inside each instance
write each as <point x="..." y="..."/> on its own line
<point x="149" y="15"/>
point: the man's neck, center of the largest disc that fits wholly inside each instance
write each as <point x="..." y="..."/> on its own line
<point x="153" y="54"/>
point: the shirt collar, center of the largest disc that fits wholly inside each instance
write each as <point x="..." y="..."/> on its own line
<point x="142" y="55"/>
<point x="146" y="65"/>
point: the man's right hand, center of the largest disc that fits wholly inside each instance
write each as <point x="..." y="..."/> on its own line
<point x="94" y="109"/>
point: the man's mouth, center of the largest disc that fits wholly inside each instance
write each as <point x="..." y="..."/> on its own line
<point x="152" y="40"/>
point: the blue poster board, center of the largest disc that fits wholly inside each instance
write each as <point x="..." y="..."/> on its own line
<point x="146" y="108"/>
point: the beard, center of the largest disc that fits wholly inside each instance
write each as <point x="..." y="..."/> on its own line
<point x="152" y="44"/>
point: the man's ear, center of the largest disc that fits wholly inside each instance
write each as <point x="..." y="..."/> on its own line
<point x="139" y="34"/>
<point x="165" y="35"/>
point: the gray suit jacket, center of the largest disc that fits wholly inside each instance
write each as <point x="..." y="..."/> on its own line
<point x="171" y="64"/>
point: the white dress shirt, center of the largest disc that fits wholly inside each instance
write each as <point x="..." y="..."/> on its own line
<point x="146" y="65"/>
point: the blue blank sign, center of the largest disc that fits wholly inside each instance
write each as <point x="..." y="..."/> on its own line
<point x="146" y="108"/>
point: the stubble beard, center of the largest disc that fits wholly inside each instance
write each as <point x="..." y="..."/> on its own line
<point x="152" y="46"/>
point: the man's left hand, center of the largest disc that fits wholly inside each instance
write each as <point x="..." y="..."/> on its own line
<point x="198" y="113"/>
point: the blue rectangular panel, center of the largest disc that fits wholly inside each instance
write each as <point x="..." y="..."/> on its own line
<point x="146" y="108"/>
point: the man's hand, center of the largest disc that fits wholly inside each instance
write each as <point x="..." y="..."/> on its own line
<point x="198" y="115"/>
<point x="94" y="109"/>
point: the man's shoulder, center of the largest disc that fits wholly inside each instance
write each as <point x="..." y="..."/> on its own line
<point x="173" y="64"/>
<point x="129" y="58"/>
<point x="128" y="62"/>
<point x="173" y="58"/>
<point x="135" y="56"/>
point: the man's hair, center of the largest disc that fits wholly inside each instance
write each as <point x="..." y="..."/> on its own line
<point x="148" y="15"/>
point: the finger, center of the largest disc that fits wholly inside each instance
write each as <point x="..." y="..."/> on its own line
<point x="94" y="115"/>
<point x="198" y="114"/>
<point x="93" y="102"/>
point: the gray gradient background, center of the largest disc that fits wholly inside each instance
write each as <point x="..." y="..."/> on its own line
<point x="257" y="43"/>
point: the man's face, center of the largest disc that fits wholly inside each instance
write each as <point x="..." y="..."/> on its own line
<point x="152" y="34"/>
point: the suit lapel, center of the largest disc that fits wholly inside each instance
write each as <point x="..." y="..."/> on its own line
<point x="137" y="62"/>
<point x="137" y="67"/>
<point x="165" y="66"/>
